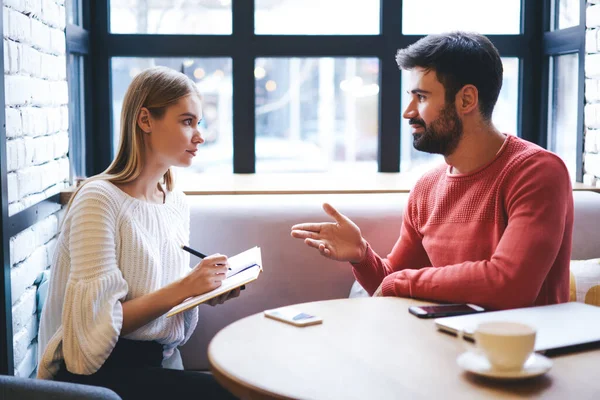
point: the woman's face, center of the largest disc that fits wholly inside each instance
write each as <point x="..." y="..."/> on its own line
<point x="173" y="139"/>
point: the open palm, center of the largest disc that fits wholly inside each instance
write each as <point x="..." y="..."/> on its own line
<point x="340" y="240"/>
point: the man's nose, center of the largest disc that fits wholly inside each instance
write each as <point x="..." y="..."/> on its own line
<point x="410" y="111"/>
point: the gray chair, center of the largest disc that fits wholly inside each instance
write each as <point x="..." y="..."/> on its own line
<point x="14" y="388"/>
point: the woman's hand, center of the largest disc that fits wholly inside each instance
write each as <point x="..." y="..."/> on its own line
<point x="224" y="297"/>
<point x="207" y="275"/>
<point x="340" y="240"/>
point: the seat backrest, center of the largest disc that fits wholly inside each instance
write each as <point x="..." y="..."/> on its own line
<point x="585" y="281"/>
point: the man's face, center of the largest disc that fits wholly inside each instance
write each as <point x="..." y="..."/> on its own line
<point x="436" y="127"/>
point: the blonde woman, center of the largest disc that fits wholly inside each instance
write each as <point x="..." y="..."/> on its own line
<point x="118" y="266"/>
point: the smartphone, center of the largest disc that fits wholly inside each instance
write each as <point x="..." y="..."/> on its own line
<point x="444" y="310"/>
<point x="293" y="316"/>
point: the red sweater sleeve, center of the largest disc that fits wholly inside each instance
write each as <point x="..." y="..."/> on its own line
<point x="538" y="200"/>
<point x="408" y="252"/>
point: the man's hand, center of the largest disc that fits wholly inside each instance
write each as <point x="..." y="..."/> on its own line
<point x="340" y="240"/>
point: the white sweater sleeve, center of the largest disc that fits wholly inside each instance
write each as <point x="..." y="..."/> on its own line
<point x="92" y="313"/>
<point x="190" y="317"/>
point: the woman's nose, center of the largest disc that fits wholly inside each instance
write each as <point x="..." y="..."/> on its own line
<point x="197" y="138"/>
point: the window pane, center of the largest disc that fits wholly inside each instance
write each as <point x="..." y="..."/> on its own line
<point x="316" y="17"/>
<point x="75" y="68"/>
<point x="73" y="10"/>
<point x="504" y="118"/>
<point x="562" y="112"/>
<point x="422" y="17"/>
<point x="568" y="13"/>
<point x="200" y="17"/>
<point x="316" y="114"/>
<point x="213" y="77"/>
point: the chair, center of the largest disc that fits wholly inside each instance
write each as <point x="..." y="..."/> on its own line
<point x="14" y="388"/>
<point x="585" y="281"/>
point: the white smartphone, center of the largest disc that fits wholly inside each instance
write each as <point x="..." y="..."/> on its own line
<point x="293" y="316"/>
<point x="444" y="310"/>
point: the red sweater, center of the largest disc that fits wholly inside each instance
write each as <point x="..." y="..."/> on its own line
<point x="499" y="237"/>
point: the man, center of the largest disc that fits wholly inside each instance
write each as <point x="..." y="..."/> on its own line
<point x="492" y="227"/>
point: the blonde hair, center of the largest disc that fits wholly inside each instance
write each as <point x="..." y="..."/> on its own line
<point x="156" y="89"/>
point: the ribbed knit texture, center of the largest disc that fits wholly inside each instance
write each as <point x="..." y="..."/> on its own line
<point x="499" y="237"/>
<point x="112" y="248"/>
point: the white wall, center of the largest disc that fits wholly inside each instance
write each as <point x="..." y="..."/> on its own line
<point x="36" y="96"/>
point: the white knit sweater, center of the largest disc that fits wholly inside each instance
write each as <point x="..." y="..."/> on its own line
<point x="112" y="248"/>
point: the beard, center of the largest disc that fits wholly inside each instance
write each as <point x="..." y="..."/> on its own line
<point x="442" y="135"/>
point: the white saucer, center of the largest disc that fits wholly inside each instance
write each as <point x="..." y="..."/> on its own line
<point x="535" y="365"/>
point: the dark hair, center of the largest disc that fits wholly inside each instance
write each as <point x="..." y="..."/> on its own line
<point x="458" y="59"/>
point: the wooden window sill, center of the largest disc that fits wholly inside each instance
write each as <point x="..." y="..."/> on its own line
<point x="299" y="183"/>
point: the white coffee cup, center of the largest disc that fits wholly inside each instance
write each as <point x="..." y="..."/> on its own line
<point x="506" y="345"/>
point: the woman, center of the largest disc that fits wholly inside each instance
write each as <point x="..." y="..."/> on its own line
<point x="119" y="266"/>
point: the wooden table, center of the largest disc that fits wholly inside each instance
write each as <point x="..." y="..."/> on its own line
<point x="372" y="348"/>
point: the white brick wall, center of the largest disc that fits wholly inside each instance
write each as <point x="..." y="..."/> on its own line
<point x="36" y="97"/>
<point x="591" y="158"/>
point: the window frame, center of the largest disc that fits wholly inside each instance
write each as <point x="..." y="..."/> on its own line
<point x="243" y="46"/>
<point x="556" y="43"/>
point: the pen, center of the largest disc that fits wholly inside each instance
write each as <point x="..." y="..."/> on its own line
<point x="200" y="255"/>
<point x="192" y="251"/>
<point x="196" y="253"/>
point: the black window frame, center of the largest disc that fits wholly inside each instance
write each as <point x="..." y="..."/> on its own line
<point x="556" y="43"/>
<point x="243" y="46"/>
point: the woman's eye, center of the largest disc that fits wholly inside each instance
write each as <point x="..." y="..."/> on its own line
<point x="188" y="122"/>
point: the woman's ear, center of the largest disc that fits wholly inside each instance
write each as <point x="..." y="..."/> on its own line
<point x="144" y="120"/>
<point x="467" y="99"/>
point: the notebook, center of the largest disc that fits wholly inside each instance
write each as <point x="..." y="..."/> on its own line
<point x="245" y="267"/>
<point x="558" y="325"/>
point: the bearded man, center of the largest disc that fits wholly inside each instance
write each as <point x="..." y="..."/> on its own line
<point x="492" y="226"/>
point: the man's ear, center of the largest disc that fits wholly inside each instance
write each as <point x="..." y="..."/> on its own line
<point x="467" y="99"/>
<point x="144" y="121"/>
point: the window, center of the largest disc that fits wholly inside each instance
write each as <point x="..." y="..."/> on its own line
<point x="213" y="78"/>
<point x="564" y="46"/>
<point x="422" y="17"/>
<point x="77" y="71"/>
<point x="563" y="116"/>
<point x="316" y="17"/>
<point x="75" y="68"/>
<point x="316" y="114"/>
<point x="73" y="10"/>
<point x="565" y="13"/>
<point x="206" y="17"/>
<point x="311" y="86"/>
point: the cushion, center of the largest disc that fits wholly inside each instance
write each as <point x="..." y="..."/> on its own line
<point x="357" y="291"/>
<point x="585" y="281"/>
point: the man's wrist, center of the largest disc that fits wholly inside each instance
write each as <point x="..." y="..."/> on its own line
<point x="387" y="286"/>
<point x="363" y="247"/>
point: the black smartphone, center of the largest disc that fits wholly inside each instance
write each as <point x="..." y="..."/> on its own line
<point x="444" y="310"/>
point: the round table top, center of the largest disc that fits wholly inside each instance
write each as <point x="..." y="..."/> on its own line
<point x="371" y="348"/>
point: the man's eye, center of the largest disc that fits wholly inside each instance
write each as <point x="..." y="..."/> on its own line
<point x="420" y="97"/>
